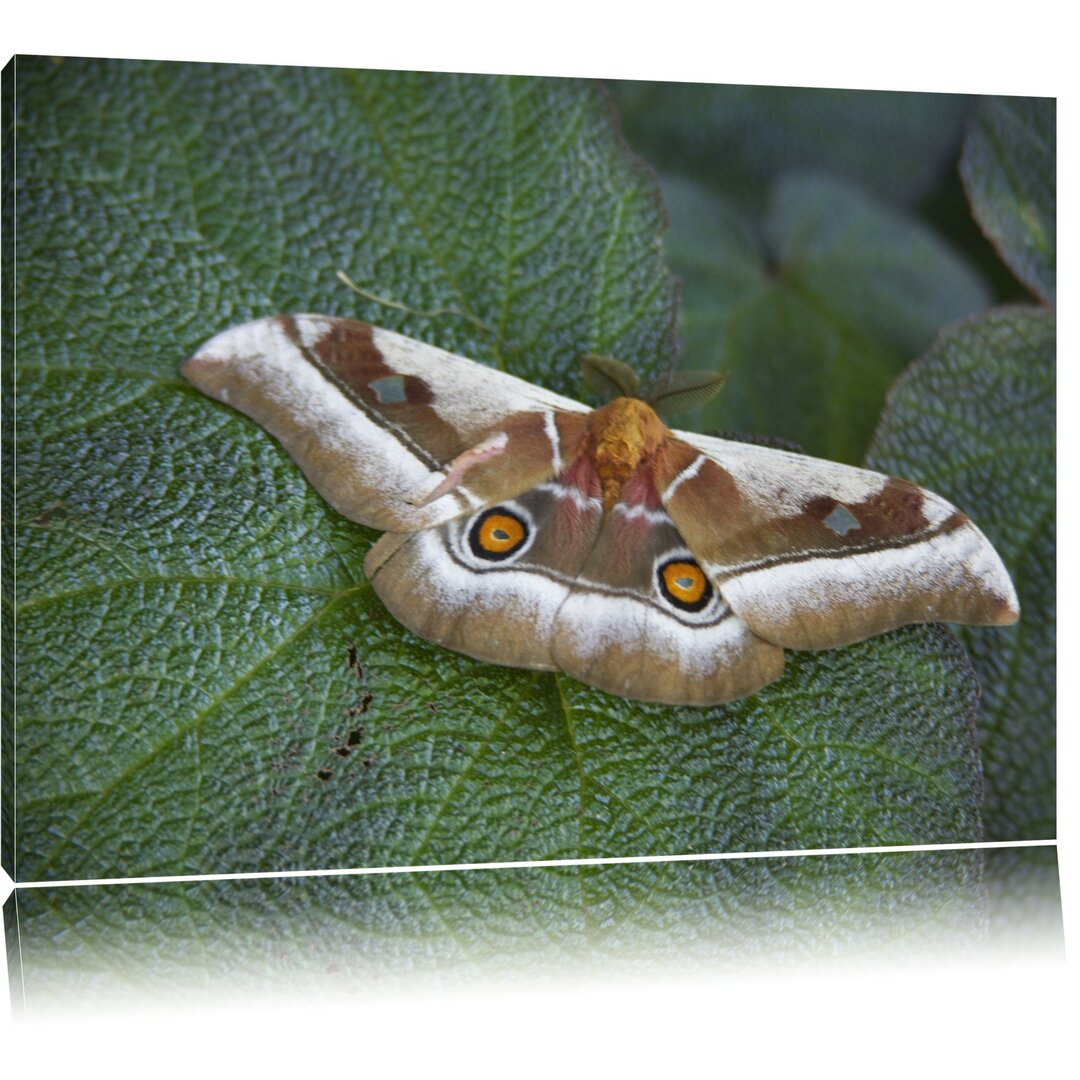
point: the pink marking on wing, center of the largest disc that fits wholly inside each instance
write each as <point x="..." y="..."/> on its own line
<point x="484" y="451"/>
<point x="640" y="490"/>
<point x="581" y="475"/>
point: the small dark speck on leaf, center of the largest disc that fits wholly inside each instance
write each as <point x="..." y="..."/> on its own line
<point x="354" y="660"/>
<point x="324" y="774"/>
<point x="361" y="706"/>
<point x="355" y="735"/>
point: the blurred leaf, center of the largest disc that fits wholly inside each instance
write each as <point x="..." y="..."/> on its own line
<point x="1009" y="168"/>
<point x="206" y="683"/>
<point x="812" y="311"/>
<point x="974" y="420"/>
<point x="738" y="140"/>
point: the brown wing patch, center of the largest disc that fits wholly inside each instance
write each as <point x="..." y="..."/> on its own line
<point x="898" y="510"/>
<point x="348" y="351"/>
<point x="347" y="355"/>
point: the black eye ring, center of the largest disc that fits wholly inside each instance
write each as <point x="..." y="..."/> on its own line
<point x="498" y="534"/>
<point x="683" y="584"/>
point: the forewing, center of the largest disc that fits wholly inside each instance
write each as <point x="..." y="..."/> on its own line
<point x="812" y="554"/>
<point x="376" y="420"/>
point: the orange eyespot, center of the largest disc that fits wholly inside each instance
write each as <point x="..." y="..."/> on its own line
<point x="684" y="583"/>
<point x="500" y="533"/>
<point x="497" y="534"/>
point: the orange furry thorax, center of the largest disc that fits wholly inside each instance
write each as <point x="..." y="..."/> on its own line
<point x="622" y="436"/>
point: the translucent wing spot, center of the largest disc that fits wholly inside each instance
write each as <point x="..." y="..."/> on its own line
<point x="498" y="534"/>
<point x="390" y="390"/>
<point x="841" y="520"/>
<point x="684" y="585"/>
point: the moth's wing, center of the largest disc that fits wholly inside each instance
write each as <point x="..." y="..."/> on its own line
<point x="621" y="629"/>
<point x="446" y="587"/>
<point x="812" y="554"/>
<point x="375" y="419"/>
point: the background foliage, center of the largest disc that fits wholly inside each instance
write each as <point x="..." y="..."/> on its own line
<point x="205" y="681"/>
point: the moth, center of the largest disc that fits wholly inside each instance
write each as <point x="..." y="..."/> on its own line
<point x="523" y="528"/>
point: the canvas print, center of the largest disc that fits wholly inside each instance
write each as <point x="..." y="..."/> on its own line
<point x="409" y="469"/>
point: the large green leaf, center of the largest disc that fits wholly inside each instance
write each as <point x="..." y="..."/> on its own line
<point x="1009" y="169"/>
<point x="813" y="308"/>
<point x="974" y="420"/>
<point x="206" y="682"/>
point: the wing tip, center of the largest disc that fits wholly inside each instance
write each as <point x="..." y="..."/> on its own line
<point x="1006" y="609"/>
<point x="236" y="348"/>
<point x="194" y="367"/>
<point x="999" y="592"/>
<point x="207" y="373"/>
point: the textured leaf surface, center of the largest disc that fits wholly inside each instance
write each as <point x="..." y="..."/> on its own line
<point x="206" y="683"/>
<point x="813" y="308"/>
<point x="95" y="944"/>
<point x="7" y="479"/>
<point x="1009" y="168"/>
<point x="975" y="421"/>
<point x="738" y="140"/>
